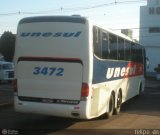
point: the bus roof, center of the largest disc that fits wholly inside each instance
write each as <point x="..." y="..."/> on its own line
<point x="74" y="19"/>
<point x="115" y="33"/>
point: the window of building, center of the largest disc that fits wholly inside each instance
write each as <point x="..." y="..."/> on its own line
<point x="154" y="30"/>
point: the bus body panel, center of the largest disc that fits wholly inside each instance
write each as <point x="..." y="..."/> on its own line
<point x="53" y="80"/>
<point x="111" y="76"/>
<point x="52" y="63"/>
<point x="102" y="91"/>
<point x="62" y="110"/>
<point x="62" y="42"/>
<point x="56" y="36"/>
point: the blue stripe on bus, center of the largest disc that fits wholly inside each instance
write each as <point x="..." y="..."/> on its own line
<point x="109" y="70"/>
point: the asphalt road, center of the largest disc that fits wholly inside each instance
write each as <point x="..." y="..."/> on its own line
<point x="139" y="116"/>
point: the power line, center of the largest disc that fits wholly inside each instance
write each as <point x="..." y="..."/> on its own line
<point x="9" y="14"/>
<point x="61" y="9"/>
<point x="106" y="4"/>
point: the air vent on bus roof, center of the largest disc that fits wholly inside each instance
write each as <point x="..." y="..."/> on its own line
<point x="76" y="15"/>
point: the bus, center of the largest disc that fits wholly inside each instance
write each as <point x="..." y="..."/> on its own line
<point x="68" y="66"/>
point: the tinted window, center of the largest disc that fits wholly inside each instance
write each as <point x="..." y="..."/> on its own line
<point x="113" y="46"/>
<point x="120" y="48"/>
<point x="109" y="46"/>
<point x="154" y="30"/>
<point x="105" y="45"/>
<point x="127" y="50"/>
<point x="134" y="52"/>
<point x="97" y="42"/>
<point x="139" y="54"/>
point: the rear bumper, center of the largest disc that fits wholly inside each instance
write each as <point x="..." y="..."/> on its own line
<point x="61" y="110"/>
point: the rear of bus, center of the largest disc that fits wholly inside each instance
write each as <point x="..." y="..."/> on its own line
<point x="52" y="66"/>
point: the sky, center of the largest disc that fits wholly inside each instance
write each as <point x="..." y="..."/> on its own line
<point x="113" y="14"/>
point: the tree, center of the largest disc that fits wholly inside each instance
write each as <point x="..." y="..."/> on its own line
<point x="7" y="45"/>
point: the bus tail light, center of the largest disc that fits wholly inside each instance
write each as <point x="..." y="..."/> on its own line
<point x="85" y="90"/>
<point x="15" y="85"/>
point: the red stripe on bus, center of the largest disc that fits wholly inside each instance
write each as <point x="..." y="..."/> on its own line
<point x="50" y="59"/>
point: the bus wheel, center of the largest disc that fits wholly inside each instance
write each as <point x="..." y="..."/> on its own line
<point x="140" y="90"/>
<point x="119" y="102"/>
<point x="111" y="107"/>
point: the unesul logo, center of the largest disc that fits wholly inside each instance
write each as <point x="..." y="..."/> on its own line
<point x="132" y="69"/>
<point x="51" y="34"/>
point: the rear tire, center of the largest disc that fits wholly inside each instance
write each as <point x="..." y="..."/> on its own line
<point x="111" y="107"/>
<point x="119" y="103"/>
<point x="140" y="90"/>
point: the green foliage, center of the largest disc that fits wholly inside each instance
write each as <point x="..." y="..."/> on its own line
<point x="7" y="45"/>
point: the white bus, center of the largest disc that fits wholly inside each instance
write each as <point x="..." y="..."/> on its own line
<point x="68" y="66"/>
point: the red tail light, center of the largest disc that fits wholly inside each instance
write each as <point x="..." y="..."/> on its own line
<point x="85" y="90"/>
<point x="15" y="85"/>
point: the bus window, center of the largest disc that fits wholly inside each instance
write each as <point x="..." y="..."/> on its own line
<point x="120" y="48"/>
<point x="140" y="54"/>
<point x="104" y="45"/>
<point x="134" y="52"/>
<point x="113" y="46"/>
<point x="127" y="50"/>
<point x="97" y="42"/>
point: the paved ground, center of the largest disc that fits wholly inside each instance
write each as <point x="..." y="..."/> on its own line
<point x="139" y="116"/>
<point x="6" y="94"/>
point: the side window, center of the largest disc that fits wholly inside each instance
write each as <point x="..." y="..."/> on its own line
<point x="134" y="52"/>
<point x="139" y="54"/>
<point x="121" y="48"/>
<point x="97" y="41"/>
<point x="127" y="50"/>
<point x="104" y="45"/>
<point x="113" y="46"/>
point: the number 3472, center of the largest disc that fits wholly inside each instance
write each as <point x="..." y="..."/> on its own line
<point x="48" y="71"/>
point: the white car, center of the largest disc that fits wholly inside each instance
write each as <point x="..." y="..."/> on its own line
<point x="6" y="71"/>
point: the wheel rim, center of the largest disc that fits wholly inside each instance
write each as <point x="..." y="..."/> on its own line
<point x="119" y="100"/>
<point x="111" y="104"/>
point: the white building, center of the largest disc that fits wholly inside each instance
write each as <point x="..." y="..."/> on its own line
<point x="150" y="32"/>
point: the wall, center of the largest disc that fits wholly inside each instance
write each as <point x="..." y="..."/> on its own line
<point x="150" y="32"/>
